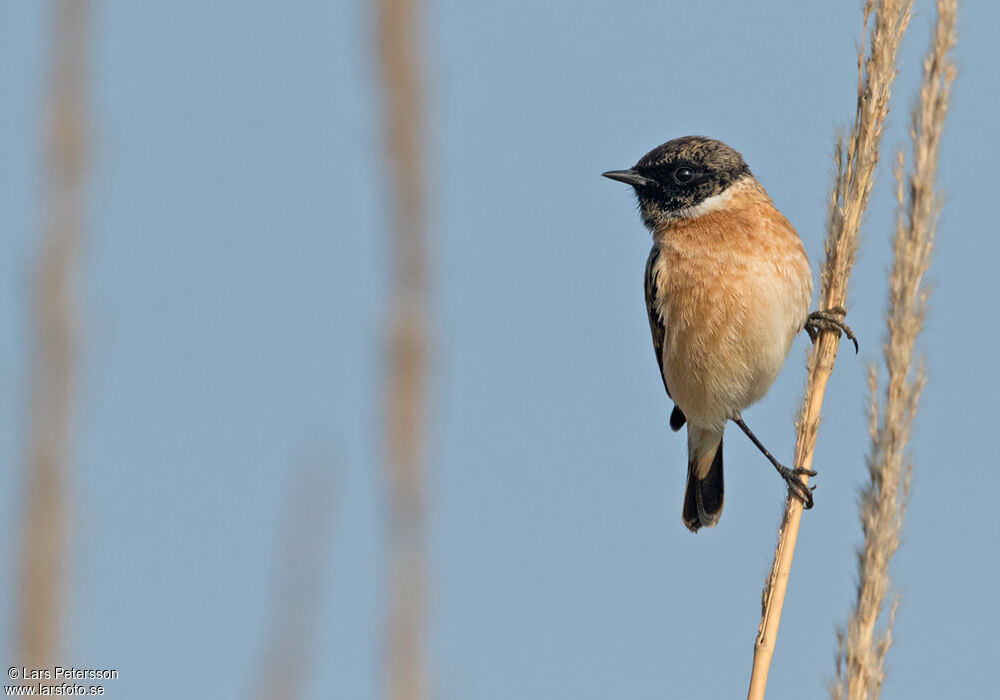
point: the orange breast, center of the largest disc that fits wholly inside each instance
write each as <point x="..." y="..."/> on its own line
<point x="734" y="288"/>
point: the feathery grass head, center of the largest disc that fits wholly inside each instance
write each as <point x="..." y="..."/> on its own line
<point x="856" y="157"/>
<point x="861" y="651"/>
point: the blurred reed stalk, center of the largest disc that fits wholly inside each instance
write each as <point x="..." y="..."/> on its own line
<point x="406" y="378"/>
<point x="860" y="661"/>
<point x="855" y="159"/>
<point x="299" y="575"/>
<point x="53" y="381"/>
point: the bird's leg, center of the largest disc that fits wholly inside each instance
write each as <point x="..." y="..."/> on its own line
<point x="792" y="477"/>
<point x="830" y="320"/>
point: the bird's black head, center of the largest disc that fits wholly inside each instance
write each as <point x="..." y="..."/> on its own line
<point x="673" y="179"/>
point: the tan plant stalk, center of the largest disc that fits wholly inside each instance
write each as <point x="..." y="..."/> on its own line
<point x="53" y="380"/>
<point x="406" y="379"/>
<point x="855" y="159"/>
<point x="299" y="574"/>
<point x="861" y="653"/>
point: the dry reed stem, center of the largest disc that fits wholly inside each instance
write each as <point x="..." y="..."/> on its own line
<point x="855" y="162"/>
<point x="299" y="574"/>
<point x="406" y="381"/>
<point x="861" y="654"/>
<point x="53" y="381"/>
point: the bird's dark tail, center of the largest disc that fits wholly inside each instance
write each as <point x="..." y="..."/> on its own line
<point x="705" y="492"/>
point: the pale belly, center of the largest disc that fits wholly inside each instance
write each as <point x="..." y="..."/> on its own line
<point x="726" y="341"/>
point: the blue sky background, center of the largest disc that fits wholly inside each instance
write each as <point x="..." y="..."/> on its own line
<point x="234" y="285"/>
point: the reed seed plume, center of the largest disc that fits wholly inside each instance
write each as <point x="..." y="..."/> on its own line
<point x="855" y="159"/>
<point x="861" y="651"/>
<point x="53" y="374"/>
<point x="406" y="376"/>
<point x="857" y="156"/>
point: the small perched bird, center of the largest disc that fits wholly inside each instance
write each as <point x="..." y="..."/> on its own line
<point x="728" y="286"/>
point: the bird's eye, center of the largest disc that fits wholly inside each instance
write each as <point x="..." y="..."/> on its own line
<point x="683" y="176"/>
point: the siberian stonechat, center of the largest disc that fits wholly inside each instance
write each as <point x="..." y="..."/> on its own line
<point x="728" y="286"/>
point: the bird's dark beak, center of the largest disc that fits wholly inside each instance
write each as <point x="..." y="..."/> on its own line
<point x="629" y="177"/>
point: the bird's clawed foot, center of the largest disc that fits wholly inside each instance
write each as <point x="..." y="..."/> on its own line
<point x="830" y="320"/>
<point x="796" y="486"/>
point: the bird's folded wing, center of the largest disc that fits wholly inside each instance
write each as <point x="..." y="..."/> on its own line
<point x="657" y="329"/>
<point x="655" y="323"/>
